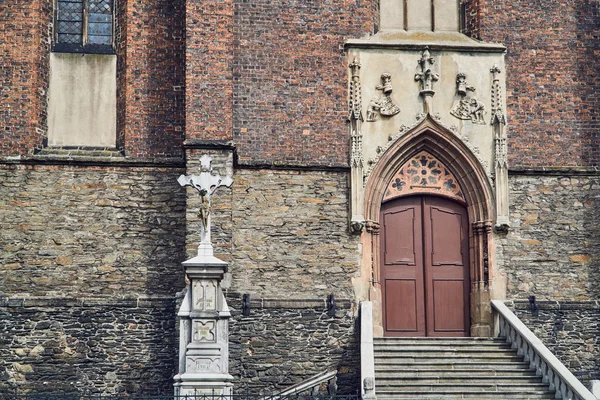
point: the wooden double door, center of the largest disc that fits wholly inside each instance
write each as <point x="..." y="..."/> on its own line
<point x="425" y="267"/>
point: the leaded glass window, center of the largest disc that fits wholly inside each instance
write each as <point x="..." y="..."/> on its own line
<point x="84" y="26"/>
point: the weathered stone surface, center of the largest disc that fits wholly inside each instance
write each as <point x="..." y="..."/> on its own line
<point x="571" y="330"/>
<point x="290" y="234"/>
<point x="69" y="230"/>
<point x="279" y="345"/>
<point x="101" y="348"/>
<point x="553" y="248"/>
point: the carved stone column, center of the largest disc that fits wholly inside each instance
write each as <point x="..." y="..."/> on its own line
<point x="481" y="311"/>
<point x="355" y="118"/>
<point x="498" y="122"/>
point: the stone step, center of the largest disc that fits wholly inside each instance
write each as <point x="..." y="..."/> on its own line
<point x="419" y="387"/>
<point x="481" y="370"/>
<point x="458" y="380"/>
<point x="529" y="395"/>
<point x="448" y="351"/>
<point x="449" y="365"/>
<point x="466" y="341"/>
<point x="416" y="357"/>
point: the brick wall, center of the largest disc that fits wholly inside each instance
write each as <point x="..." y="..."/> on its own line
<point x="74" y="231"/>
<point x="553" y="84"/>
<point x="290" y="78"/>
<point x="24" y="47"/>
<point x="151" y="77"/>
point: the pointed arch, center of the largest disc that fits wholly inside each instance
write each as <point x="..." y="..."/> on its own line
<point x="432" y="137"/>
<point x="444" y="145"/>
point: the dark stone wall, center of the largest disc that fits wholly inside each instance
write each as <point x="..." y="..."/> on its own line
<point x="571" y="330"/>
<point x="87" y="346"/>
<point x="283" y="342"/>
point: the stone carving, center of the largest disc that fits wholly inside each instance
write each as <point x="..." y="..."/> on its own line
<point x="356" y="149"/>
<point x="383" y="104"/>
<point x="206" y="183"/>
<point x="203" y="331"/>
<point x="426" y="77"/>
<point x="424" y="174"/>
<point x="498" y="122"/>
<point x="204" y="295"/>
<point x="468" y="107"/>
<point x="203" y="364"/>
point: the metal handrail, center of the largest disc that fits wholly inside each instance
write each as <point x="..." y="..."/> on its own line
<point x="560" y="379"/>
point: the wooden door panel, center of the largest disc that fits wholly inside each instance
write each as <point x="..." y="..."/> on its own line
<point x="446" y="238"/>
<point x="402" y="294"/>
<point x="400" y="248"/>
<point x="402" y="268"/>
<point x="446" y="266"/>
<point x="448" y="296"/>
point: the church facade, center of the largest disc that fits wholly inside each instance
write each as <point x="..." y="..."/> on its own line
<point x="427" y="157"/>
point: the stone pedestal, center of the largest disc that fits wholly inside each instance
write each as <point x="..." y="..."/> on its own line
<point x="204" y="323"/>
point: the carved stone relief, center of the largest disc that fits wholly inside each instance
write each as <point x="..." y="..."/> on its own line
<point x="423" y="174"/>
<point x="426" y="76"/>
<point x="383" y="104"/>
<point x="203" y="331"/>
<point x="204" y="295"/>
<point x="468" y="107"/>
<point x="203" y="364"/>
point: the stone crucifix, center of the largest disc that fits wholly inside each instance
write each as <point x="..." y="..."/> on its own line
<point x="206" y="184"/>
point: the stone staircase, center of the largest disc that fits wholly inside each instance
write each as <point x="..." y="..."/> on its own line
<point x="453" y="368"/>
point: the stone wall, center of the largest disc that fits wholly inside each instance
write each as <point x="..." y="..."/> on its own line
<point x="89" y="231"/>
<point x="283" y="342"/>
<point x="571" y="330"/>
<point x="290" y="235"/>
<point x="87" y="346"/>
<point x="553" y="248"/>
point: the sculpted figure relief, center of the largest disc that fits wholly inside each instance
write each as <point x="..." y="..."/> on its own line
<point x="383" y="105"/>
<point x="468" y="107"/>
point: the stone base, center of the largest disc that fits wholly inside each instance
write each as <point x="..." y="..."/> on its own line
<point x="203" y="384"/>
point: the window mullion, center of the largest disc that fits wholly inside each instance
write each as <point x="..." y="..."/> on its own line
<point x="85" y="23"/>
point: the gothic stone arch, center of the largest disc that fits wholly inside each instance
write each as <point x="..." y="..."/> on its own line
<point x="444" y="145"/>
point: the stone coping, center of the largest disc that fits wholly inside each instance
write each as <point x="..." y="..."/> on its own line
<point x="135" y="302"/>
<point x="90" y="157"/>
<point x="572" y="170"/>
<point x="27" y="302"/>
<point x="399" y="39"/>
<point x="593" y="305"/>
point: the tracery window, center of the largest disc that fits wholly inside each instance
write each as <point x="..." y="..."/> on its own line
<point x="84" y="26"/>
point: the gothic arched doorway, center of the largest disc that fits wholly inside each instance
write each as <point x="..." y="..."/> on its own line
<point x="425" y="267"/>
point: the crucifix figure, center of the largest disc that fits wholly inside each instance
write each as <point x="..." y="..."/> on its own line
<point x="206" y="184"/>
